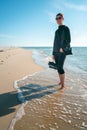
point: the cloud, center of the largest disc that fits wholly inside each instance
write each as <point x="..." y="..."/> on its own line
<point x="6" y="36"/>
<point x="76" y="7"/>
<point x="61" y="5"/>
<point x="57" y="4"/>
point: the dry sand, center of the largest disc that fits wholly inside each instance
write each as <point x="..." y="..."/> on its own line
<point x="15" y="63"/>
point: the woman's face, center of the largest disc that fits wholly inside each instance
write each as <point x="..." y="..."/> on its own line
<point x="59" y="20"/>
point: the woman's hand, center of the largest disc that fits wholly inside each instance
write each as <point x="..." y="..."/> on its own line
<point x="61" y="50"/>
<point x="53" y="57"/>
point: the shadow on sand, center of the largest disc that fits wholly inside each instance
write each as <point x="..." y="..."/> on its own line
<point x="9" y="100"/>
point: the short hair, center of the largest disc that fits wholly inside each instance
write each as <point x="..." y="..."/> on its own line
<point x="60" y="14"/>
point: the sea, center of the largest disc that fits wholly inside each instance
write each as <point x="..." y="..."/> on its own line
<point x="43" y="105"/>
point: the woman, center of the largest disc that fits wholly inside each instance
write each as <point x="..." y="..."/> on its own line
<point x="61" y="41"/>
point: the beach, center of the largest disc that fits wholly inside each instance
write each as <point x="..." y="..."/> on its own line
<point x="15" y="63"/>
<point x="31" y="98"/>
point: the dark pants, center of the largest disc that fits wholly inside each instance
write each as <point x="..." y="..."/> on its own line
<point x="59" y="59"/>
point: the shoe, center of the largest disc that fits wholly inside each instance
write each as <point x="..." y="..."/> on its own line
<point x="52" y="65"/>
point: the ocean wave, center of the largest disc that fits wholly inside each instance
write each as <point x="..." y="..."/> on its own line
<point x="21" y="99"/>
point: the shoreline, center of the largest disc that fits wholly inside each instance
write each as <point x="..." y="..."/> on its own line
<point x="10" y="70"/>
<point x="37" y="88"/>
<point x="20" y="111"/>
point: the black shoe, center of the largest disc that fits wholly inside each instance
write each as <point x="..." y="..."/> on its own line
<point x="52" y="65"/>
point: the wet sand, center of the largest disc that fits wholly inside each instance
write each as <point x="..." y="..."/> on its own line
<point x="49" y="108"/>
<point x="15" y="63"/>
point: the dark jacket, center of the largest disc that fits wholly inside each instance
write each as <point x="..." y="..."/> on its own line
<point x="62" y="38"/>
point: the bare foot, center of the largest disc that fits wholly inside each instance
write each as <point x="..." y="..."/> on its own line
<point x="62" y="87"/>
<point x="59" y="83"/>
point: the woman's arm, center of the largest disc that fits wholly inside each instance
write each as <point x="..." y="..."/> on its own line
<point x="54" y="43"/>
<point x="67" y="37"/>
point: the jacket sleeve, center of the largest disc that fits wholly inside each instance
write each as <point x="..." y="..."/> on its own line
<point x="67" y="36"/>
<point x="54" y="43"/>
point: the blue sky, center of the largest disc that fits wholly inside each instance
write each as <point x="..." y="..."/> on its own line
<point x="32" y="22"/>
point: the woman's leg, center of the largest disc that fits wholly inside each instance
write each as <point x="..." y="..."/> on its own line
<point x="56" y="61"/>
<point x="62" y="79"/>
<point x="61" y="71"/>
<point x="59" y="78"/>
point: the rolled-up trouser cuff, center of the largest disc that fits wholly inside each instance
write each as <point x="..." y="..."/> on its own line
<point x="61" y="71"/>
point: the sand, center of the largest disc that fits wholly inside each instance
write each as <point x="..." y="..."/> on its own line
<point x="15" y="63"/>
<point x="47" y="107"/>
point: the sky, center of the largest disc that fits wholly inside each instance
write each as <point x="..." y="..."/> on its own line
<point x="32" y="22"/>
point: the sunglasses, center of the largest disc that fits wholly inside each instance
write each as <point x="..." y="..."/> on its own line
<point x="57" y="18"/>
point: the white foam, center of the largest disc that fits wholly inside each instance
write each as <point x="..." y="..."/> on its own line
<point x="20" y="111"/>
<point x="58" y="104"/>
<point x="84" y="96"/>
<point x="84" y="125"/>
<point x="52" y="128"/>
<point x="69" y="121"/>
<point x="62" y="118"/>
<point x="84" y="112"/>
<point x="21" y="98"/>
<point x="20" y="95"/>
<point x="42" y="126"/>
<point x="18" y="116"/>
